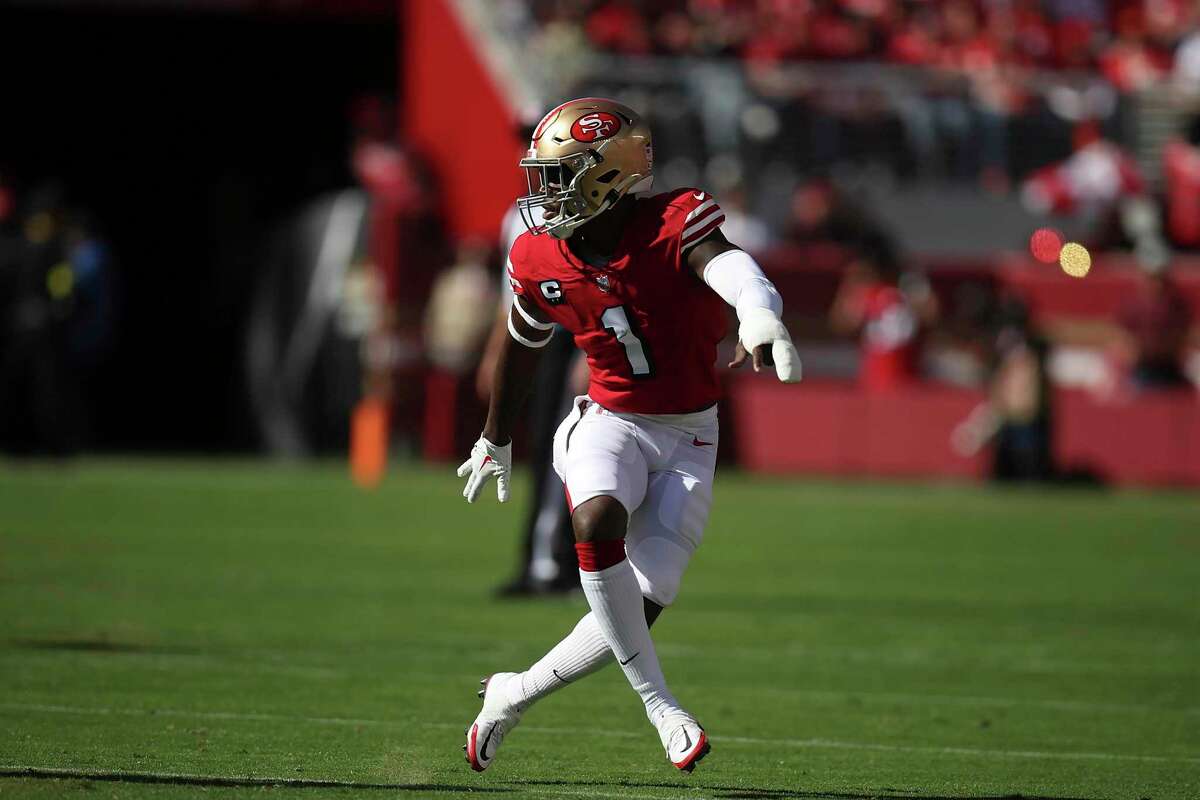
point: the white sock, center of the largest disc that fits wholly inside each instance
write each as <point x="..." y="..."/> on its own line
<point x="582" y="652"/>
<point x="616" y="602"/>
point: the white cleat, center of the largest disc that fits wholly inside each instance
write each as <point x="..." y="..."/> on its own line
<point x="497" y="717"/>
<point x="684" y="740"/>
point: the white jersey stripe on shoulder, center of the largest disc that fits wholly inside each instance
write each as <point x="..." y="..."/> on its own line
<point x="709" y="203"/>
<point x="702" y="221"/>
<point x="702" y="228"/>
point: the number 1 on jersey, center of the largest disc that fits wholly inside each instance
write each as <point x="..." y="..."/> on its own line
<point x="615" y="321"/>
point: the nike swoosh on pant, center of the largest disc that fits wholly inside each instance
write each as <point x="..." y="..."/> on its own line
<point x="631" y="658"/>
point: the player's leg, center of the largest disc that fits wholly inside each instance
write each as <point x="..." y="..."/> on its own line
<point x="663" y="534"/>
<point x="611" y="587"/>
<point x="612" y="584"/>
<point x="592" y="453"/>
<point x="583" y="651"/>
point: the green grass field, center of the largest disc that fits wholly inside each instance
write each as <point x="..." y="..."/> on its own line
<point x="175" y="628"/>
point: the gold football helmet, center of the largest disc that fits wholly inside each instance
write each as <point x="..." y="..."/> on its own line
<point x="585" y="155"/>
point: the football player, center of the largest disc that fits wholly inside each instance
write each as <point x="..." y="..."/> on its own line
<point x="641" y="282"/>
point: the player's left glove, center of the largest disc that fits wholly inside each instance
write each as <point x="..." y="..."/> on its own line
<point x="487" y="460"/>
<point x="761" y="327"/>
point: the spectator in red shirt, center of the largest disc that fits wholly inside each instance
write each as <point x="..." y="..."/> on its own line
<point x="1129" y="63"/>
<point x="619" y="26"/>
<point x="888" y="311"/>
<point x="1094" y="178"/>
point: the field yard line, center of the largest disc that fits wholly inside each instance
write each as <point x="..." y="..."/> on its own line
<point x="798" y="743"/>
<point x="971" y="700"/>
<point x="22" y="770"/>
<point x="966" y="751"/>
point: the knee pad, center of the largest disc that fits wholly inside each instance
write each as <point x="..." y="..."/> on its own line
<point x="659" y="565"/>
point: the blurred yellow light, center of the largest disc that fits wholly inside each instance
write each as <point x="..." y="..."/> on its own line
<point x="60" y="280"/>
<point x="39" y="228"/>
<point x="1075" y="259"/>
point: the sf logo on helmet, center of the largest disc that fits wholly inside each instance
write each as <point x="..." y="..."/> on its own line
<point x="596" y="125"/>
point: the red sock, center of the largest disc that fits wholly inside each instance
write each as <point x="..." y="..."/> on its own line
<point x="595" y="556"/>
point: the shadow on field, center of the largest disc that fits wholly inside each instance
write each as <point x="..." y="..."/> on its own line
<point x="249" y="783"/>
<point x="732" y="792"/>
<point x="98" y="646"/>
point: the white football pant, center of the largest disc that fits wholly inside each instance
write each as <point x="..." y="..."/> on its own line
<point x="660" y="467"/>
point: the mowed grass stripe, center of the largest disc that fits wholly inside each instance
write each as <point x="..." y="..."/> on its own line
<point x="594" y="731"/>
<point x="249" y="782"/>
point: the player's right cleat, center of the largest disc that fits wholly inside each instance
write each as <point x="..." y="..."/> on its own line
<point x="497" y="717"/>
<point x="685" y="741"/>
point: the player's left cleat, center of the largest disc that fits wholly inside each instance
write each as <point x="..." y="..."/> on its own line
<point x="497" y="718"/>
<point x="685" y="741"/>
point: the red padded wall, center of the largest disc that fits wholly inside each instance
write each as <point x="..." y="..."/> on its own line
<point x="453" y="113"/>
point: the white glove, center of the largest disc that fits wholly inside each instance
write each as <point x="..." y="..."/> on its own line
<point x="486" y="460"/>
<point x="760" y="326"/>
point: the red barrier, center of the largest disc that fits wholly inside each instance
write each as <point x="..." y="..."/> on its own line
<point x="1051" y="293"/>
<point x="457" y="118"/>
<point x="1152" y="438"/>
<point x="832" y="428"/>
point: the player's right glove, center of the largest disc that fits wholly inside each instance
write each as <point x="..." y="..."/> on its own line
<point x="487" y="460"/>
<point x="760" y="326"/>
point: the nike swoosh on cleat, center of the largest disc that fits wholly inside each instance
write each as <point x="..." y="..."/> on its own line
<point x="687" y="741"/>
<point x="699" y="195"/>
<point x="697" y="443"/>
<point x="631" y="658"/>
<point x="483" y="753"/>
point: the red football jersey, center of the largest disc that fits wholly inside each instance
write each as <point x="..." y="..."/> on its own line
<point x="648" y="324"/>
<point x="889" y="338"/>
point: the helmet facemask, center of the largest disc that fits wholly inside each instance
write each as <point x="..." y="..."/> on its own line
<point x="557" y="182"/>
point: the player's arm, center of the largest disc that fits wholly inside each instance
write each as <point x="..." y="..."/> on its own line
<point x="736" y="277"/>
<point x="516" y="362"/>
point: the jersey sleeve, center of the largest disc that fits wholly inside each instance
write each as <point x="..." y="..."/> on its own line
<point x="692" y="215"/>
<point x="514" y="269"/>
<point x="525" y="305"/>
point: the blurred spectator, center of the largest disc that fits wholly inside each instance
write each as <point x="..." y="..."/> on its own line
<point x="1129" y="63"/>
<point x="1091" y="182"/>
<point x="619" y="26"/>
<point x="820" y="213"/>
<point x="1017" y="415"/>
<point x="1187" y="62"/>
<point x="1156" y="321"/>
<point x="56" y="322"/>
<point x="1181" y="169"/>
<point x="454" y="334"/>
<point x="888" y="310"/>
<point x="740" y="226"/>
<point x="876" y="300"/>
